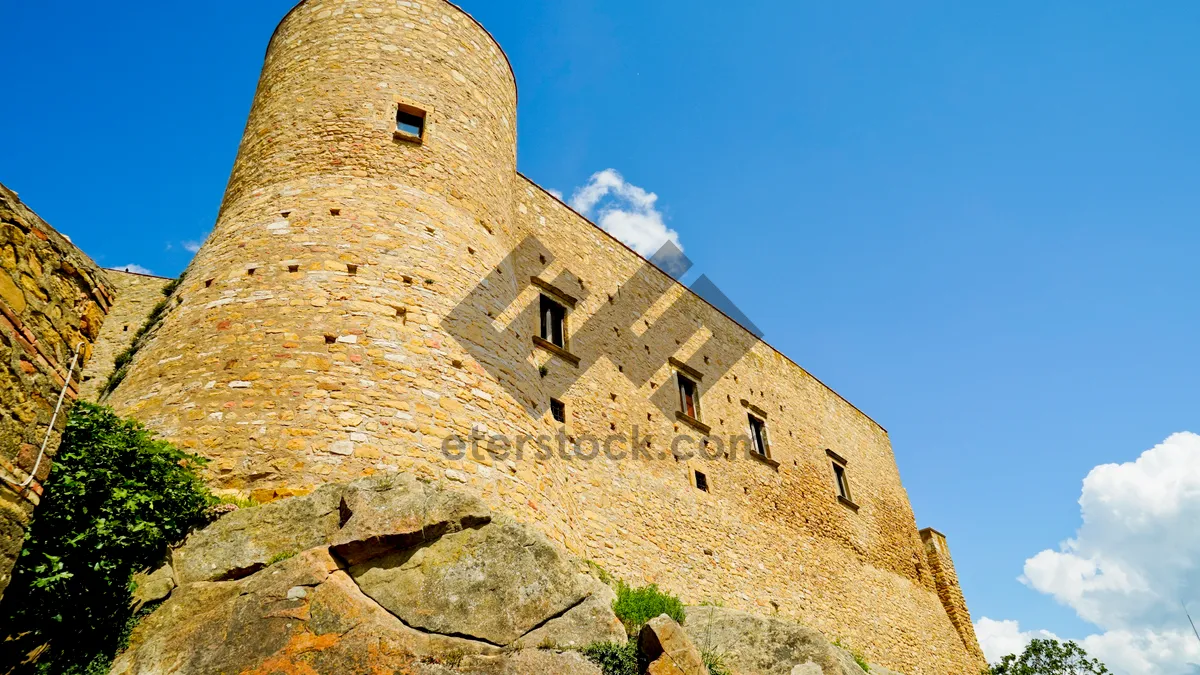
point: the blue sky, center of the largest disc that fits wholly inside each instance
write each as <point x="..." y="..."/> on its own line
<point x="977" y="221"/>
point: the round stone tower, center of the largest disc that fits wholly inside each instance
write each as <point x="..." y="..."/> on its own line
<point x="372" y="192"/>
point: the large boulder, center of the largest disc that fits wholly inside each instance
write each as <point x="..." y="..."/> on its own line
<point x="495" y="583"/>
<point x="752" y="644"/>
<point x="382" y="575"/>
<point x="588" y="622"/>
<point x="667" y="647"/>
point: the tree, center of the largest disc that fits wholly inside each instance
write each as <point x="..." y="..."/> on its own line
<point x="1050" y="657"/>
<point x="115" y="500"/>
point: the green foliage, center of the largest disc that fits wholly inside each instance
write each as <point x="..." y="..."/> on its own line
<point x="635" y="606"/>
<point x="599" y="572"/>
<point x="1050" y="657"/>
<point x="170" y="287"/>
<point x="856" y="655"/>
<point x="280" y="557"/>
<point x="616" y="659"/>
<point x="715" y="662"/>
<point x="115" y="500"/>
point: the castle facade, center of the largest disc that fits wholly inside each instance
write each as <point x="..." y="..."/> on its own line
<point x="384" y="291"/>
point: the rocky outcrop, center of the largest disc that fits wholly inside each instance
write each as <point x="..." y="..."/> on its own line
<point x="751" y="644"/>
<point x="380" y="575"/>
<point x="669" y="650"/>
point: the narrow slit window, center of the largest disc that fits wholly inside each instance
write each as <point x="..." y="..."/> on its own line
<point x="758" y="436"/>
<point x="558" y="410"/>
<point x="843" y="483"/>
<point x="410" y="122"/>
<point x="701" y="481"/>
<point x="554" y="322"/>
<point x="689" y="400"/>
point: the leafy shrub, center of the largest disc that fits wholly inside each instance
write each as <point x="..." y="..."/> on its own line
<point x="635" y="606"/>
<point x="616" y="659"/>
<point x="114" y="501"/>
<point x="1050" y="657"/>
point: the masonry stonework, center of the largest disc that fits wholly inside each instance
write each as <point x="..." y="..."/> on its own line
<point x="53" y="300"/>
<point x="363" y="298"/>
<point x="136" y="296"/>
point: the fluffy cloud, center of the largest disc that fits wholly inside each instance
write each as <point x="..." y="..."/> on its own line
<point x="137" y="269"/>
<point x="1132" y="564"/>
<point x="191" y="246"/>
<point x="625" y="211"/>
<point x="1001" y="638"/>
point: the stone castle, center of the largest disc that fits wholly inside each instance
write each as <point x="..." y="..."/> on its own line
<point x="383" y="291"/>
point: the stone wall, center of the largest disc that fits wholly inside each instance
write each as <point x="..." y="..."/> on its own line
<point x="363" y="299"/>
<point x="53" y="300"/>
<point x="948" y="589"/>
<point x="137" y="294"/>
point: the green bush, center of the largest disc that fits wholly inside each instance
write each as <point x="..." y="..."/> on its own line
<point x="114" y="501"/>
<point x="635" y="606"/>
<point x="616" y="659"/>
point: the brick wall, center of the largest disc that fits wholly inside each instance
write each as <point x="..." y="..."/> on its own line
<point x="53" y="298"/>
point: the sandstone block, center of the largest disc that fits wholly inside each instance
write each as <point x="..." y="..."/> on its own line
<point x="669" y="649"/>
<point x="495" y="583"/>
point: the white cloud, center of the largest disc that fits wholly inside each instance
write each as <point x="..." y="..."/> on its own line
<point x="557" y="194"/>
<point x="191" y="246"/>
<point x="137" y="269"/>
<point x="625" y="211"/>
<point x="1001" y="638"/>
<point x="1133" y="562"/>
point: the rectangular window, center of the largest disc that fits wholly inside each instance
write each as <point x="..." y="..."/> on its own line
<point x="841" y="480"/>
<point x="410" y="122"/>
<point x="688" y="397"/>
<point x="758" y="435"/>
<point x="554" y="322"/>
<point x="558" y="410"/>
<point x="843" y="484"/>
<point x="701" y="481"/>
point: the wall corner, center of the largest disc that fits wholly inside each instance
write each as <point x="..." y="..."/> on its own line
<point x="937" y="552"/>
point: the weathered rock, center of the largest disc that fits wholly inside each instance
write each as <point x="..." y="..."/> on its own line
<point x="153" y="587"/>
<point x="760" y="645"/>
<point x="246" y="540"/>
<point x="529" y="662"/>
<point x="397" y="512"/>
<point x="495" y="583"/>
<point x="300" y="613"/>
<point x="669" y="650"/>
<point x="475" y="595"/>
<point x="588" y="622"/>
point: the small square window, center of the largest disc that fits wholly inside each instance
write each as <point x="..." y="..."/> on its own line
<point x="558" y="410"/>
<point x="689" y="397"/>
<point x="410" y="122"/>
<point x="758" y="436"/>
<point x="554" y="322"/>
<point x="701" y="481"/>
